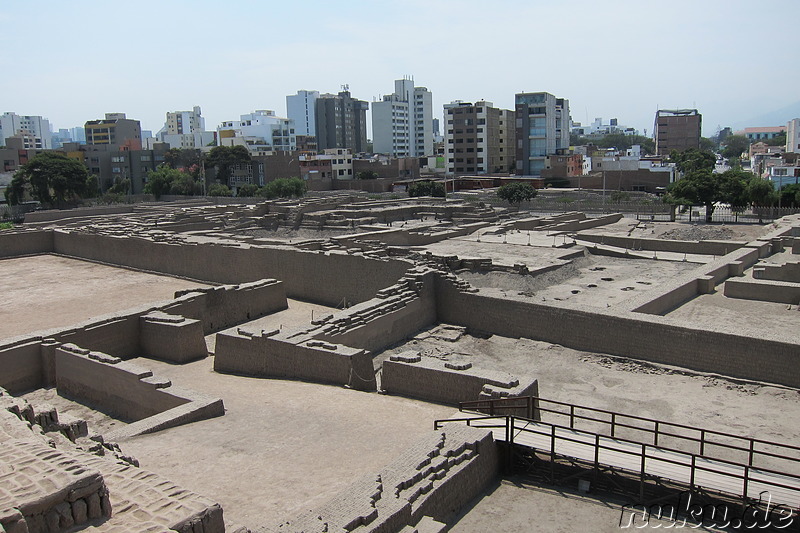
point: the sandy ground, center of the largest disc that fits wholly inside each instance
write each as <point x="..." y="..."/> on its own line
<point x="515" y="506"/>
<point x="282" y="446"/>
<point x="48" y="291"/>
<point x="712" y="308"/>
<point x="594" y="281"/>
<point x="298" y="314"/>
<point x="623" y="385"/>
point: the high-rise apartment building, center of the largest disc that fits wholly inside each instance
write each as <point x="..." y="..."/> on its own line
<point x="32" y="129"/>
<point x="677" y="129"/>
<point x="301" y="108"/>
<point x="402" y="123"/>
<point x="793" y="136"/>
<point x="184" y="129"/>
<point x="479" y="138"/>
<point x="115" y="131"/>
<point x="341" y="122"/>
<point x="542" y="129"/>
<point x="259" y="131"/>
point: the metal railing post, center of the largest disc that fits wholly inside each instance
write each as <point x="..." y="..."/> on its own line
<point x="571" y="417"/>
<point x="691" y="474"/>
<point x="655" y="435"/>
<point x="702" y="441"/>
<point x="552" y="454"/>
<point x="613" y="423"/>
<point x="641" y="473"/>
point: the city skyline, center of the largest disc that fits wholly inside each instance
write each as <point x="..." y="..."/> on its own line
<point x="619" y="60"/>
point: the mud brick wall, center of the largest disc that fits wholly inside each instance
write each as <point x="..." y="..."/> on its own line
<point x="119" y="388"/>
<point x="13" y="244"/>
<point x="172" y="338"/>
<point x="751" y="355"/>
<point x="763" y="290"/>
<point x="434" y="380"/>
<point x="221" y="307"/>
<point x="45" y="490"/>
<point x="398" y="312"/>
<point x="276" y="356"/>
<point x="671" y="294"/>
<point x="321" y="277"/>
<point x="117" y="335"/>
<point x="662" y="245"/>
<point x="783" y="272"/>
<point x="81" y="212"/>
<point x="21" y="365"/>
<point x="435" y="477"/>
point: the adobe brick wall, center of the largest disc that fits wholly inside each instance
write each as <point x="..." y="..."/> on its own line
<point x="763" y="290"/>
<point x="21" y="364"/>
<point x="433" y="380"/>
<point x="663" y="245"/>
<point x="119" y="388"/>
<point x="435" y="477"/>
<point x="224" y="306"/>
<point x="321" y="277"/>
<point x="171" y="337"/>
<point x="749" y="355"/>
<point x="16" y="243"/>
<point x="265" y="355"/>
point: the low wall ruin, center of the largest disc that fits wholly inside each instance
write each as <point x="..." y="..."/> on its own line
<point x="433" y="380"/>
<point x="748" y="355"/>
<point x="433" y="479"/>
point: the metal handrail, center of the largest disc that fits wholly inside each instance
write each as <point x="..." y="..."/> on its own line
<point x="656" y="430"/>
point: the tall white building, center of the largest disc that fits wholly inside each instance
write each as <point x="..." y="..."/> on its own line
<point x="543" y="126"/>
<point x="300" y="108"/>
<point x="185" y="129"/>
<point x="793" y="136"/>
<point x="259" y="131"/>
<point x="34" y="129"/>
<point x="402" y="123"/>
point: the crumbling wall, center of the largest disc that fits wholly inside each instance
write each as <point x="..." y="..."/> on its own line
<point x="224" y="306"/>
<point x="433" y="380"/>
<point x="21" y="365"/>
<point x="398" y="311"/>
<point x="270" y="354"/>
<point x="752" y="355"/>
<point x="763" y="290"/>
<point x="664" y="245"/>
<point x="434" y="478"/>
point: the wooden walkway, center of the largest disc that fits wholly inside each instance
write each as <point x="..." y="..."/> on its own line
<point x="693" y="470"/>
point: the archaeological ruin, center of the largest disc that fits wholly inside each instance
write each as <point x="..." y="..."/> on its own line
<point x="291" y="365"/>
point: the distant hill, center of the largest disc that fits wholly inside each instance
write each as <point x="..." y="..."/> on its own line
<point x="779" y="117"/>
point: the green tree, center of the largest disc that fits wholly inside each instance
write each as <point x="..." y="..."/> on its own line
<point x="51" y="177"/>
<point x="185" y="185"/>
<point x="697" y="187"/>
<point x="778" y="140"/>
<point x="427" y="188"/>
<point x="732" y="189"/>
<point x="620" y="141"/>
<point x="735" y="146"/>
<point x="247" y="190"/>
<point x="707" y="144"/>
<point x="121" y="186"/>
<point x="790" y="195"/>
<point x="222" y="158"/>
<point x="692" y="159"/>
<point x="367" y="175"/>
<point x="219" y="189"/>
<point x="761" y="192"/>
<point x="283" y="188"/>
<point x="516" y="193"/>
<point x="159" y="181"/>
<point x="92" y="187"/>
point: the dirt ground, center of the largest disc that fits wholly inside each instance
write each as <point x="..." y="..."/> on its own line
<point x="627" y="386"/>
<point x="594" y="281"/>
<point x="48" y="291"/>
<point x="282" y="446"/>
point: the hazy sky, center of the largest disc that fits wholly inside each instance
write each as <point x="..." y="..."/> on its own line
<point x="75" y="61"/>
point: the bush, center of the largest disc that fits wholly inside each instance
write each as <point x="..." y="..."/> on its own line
<point x="426" y="188"/>
<point x="247" y="190"/>
<point x="219" y="189"/>
<point x="283" y="188"/>
<point x="516" y="193"/>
